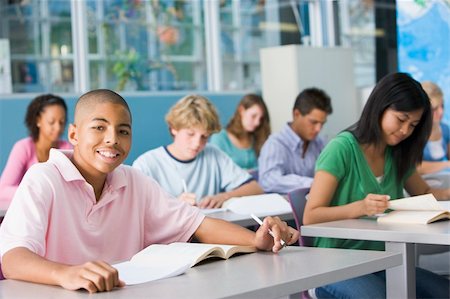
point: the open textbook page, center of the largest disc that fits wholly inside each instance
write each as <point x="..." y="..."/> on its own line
<point x="162" y="261"/>
<point x="422" y="209"/>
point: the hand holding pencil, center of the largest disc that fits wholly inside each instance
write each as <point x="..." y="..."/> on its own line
<point x="275" y="232"/>
<point x="190" y="198"/>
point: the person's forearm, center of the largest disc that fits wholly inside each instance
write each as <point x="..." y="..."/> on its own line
<point x="430" y="167"/>
<point x="22" y="264"/>
<point x="251" y="188"/>
<point x="441" y="194"/>
<point x="326" y="214"/>
<point x="217" y="231"/>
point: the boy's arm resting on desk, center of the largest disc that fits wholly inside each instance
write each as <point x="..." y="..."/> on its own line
<point x="216" y="231"/>
<point x="216" y="201"/>
<point x="22" y="264"/>
<point x="416" y="185"/>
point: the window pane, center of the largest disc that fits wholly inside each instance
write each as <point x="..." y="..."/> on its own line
<point x="24" y="37"/>
<point x="246" y="27"/>
<point x="40" y="36"/>
<point x="61" y="39"/>
<point x="59" y="8"/>
<point x="146" y="45"/>
<point x="25" y="76"/>
<point x="358" y="32"/>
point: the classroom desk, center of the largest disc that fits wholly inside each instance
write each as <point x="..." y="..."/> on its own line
<point x="400" y="238"/>
<point x="257" y="275"/>
<point x="245" y="220"/>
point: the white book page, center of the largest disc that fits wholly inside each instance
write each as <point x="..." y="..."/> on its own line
<point x="132" y="273"/>
<point x="425" y="202"/>
<point x="260" y="205"/>
<point x="418" y="217"/>
<point x="445" y="204"/>
<point x="181" y="253"/>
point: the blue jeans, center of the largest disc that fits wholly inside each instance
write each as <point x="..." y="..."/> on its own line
<point x="428" y="285"/>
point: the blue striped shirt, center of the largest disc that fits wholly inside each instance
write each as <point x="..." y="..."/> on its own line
<point x="282" y="167"/>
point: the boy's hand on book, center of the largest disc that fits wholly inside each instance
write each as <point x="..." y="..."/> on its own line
<point x="280" y="231"/>
<point x="190" y="198"/>
<point x="374" y="204"/>
<point x="94" y="277"/>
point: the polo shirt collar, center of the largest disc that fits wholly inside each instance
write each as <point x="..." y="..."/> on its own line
<point x="292" y="140"/>
<point x="61" y="159"/>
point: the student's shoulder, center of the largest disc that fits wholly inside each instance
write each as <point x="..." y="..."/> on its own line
<point x="219" y="136"/>
<point x="276" y="138"/>
<point x="445" y="131"/>
<point x="43" y="173"/>
<point x="23" y="145"/>
<point x="64" y="144"/>
<point x="341" y="143"/>
<point x="151" y="155"/>
<point x="211" y="151"/>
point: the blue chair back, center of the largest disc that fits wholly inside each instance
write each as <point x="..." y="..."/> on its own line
<point x="254" y="174"/>
<point x="297" y="199"/>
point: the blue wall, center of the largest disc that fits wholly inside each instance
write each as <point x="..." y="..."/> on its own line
<point x="148" y="111"/>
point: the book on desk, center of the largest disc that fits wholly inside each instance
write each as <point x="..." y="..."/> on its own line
<point x="421" y="209"/>
<point x="159" y="261"/>
<point x="261" y="205"/>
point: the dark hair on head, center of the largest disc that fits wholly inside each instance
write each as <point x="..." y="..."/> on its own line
<point x="101" y="96"/>
<point x="313" y="98"/>
<point x="400" y="92"/>
<point x="262" y="132"/>
<point x="36" y="107"/>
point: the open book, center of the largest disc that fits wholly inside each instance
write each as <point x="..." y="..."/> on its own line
<point x="162" y="261"/>
<point x="422" y="209"/>
<point x="261" y="205"/>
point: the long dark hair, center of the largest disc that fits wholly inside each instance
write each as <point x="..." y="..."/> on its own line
<point x="400" y="92"/>
<point x="35" y="109"/>
<point x="262" y="132"/>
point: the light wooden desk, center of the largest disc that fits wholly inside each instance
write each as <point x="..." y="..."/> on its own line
<point x="257" y="275"/>
<point x="400" y="281"/>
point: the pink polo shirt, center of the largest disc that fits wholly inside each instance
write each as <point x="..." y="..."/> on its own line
<point x="54" y="214"/>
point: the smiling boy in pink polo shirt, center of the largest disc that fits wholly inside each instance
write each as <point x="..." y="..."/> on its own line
<point x="82" y="210"/>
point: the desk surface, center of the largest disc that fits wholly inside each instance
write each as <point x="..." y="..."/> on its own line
<point x="257" y="275"/>
<point x="370" y="229"/>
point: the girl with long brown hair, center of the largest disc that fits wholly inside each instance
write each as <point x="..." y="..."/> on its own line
<point x="246" y="132"/>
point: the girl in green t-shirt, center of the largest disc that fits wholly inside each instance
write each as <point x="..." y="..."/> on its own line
<point x="368" y="164"/>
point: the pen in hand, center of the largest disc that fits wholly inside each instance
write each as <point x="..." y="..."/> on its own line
<point x="184" y="185"/>
<point x="270" y="232"/>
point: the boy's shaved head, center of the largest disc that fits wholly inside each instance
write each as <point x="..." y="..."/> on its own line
<point x="98" y="96"/>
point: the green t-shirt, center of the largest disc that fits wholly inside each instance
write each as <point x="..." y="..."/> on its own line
<point x="344" y="159"/>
